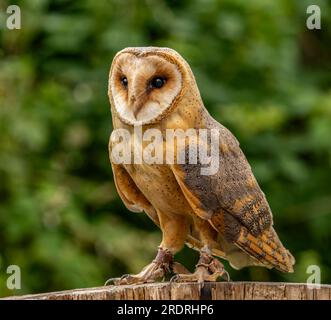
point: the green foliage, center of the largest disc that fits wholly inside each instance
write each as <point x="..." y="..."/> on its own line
<point x="261" y="73"/>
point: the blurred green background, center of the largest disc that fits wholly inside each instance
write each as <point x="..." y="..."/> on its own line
<point x="261" y="73"/>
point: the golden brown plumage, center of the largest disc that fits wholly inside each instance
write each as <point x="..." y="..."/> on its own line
<point x="226" y="213"/>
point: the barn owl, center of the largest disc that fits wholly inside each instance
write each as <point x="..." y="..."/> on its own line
<point x="224" y="214"/>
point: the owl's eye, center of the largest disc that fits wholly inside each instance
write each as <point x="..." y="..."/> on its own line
<point x="124" y="81"/>
<point x="158" y="82"/>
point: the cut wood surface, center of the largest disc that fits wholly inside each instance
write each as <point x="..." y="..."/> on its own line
<point x="194" y="291"/>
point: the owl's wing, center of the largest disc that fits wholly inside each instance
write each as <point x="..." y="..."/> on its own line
<point x="232" y="201"/>
<point x="131" y="196"/>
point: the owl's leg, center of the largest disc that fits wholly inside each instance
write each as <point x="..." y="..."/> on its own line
<point x="174" y="230"/>
<point x="208" y="268"/>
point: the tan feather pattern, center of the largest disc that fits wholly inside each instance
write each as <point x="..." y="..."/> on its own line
<point x="267" y="249"/>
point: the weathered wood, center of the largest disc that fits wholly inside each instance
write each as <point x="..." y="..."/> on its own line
<point x="194" y="291"/>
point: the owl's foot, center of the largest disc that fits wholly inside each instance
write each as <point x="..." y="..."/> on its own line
<point x="156" y="270"/>
<point x="207" y="269"/>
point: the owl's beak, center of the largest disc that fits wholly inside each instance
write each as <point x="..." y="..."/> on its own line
<point x="136" y="109"/>
<point x="135" y="106"/>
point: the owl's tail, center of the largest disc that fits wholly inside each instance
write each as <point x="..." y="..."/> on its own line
<point x="267" y="249"/>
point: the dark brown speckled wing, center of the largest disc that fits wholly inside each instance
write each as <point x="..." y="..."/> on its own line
<point x="233" y="202"/>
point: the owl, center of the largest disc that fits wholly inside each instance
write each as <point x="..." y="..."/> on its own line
<point x="222" y="215"/>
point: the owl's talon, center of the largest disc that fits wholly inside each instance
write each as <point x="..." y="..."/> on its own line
<point x="157" y="269"/>
<point x="111" y="281"/>
<point x="208" y="269"/>
<point x="226" y="276"/>
<point x="174" y="278"/>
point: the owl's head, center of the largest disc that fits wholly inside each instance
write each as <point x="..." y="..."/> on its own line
<point x="145" y="83"/>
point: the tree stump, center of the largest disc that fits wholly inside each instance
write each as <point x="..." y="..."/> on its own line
<point x="192" y="291"/>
